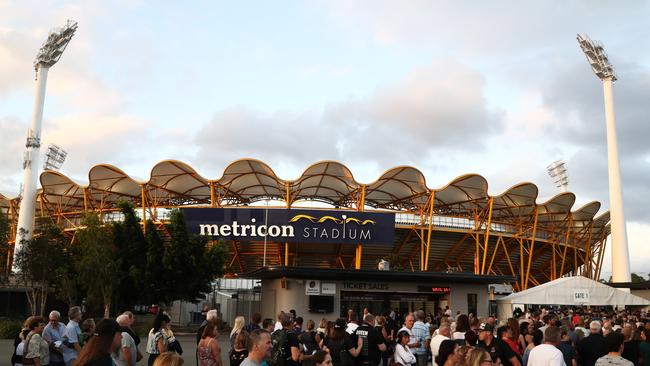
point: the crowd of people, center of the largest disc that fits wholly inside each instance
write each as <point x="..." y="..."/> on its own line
<point x="571" y="337"/>
<point x="110" y="342"/>
<point x="549" y="338"/>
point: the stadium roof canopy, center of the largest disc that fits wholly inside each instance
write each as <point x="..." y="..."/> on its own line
<point x="173" y="183"/>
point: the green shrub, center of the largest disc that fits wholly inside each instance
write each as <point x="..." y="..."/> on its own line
<point x="9" y="328"/>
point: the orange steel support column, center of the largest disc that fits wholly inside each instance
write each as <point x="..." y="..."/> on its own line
<point x="357" y="264"/>
<point x="530" y="252"/>
<point x="287" y="192"/>
<point x="360" y="208"/>
<point x="588" y="251"/>
<point x="85" y="199"/>
<point x="431" y="203"/>
<point x="477" y="253"/>
<point x="487" y="236"/>
<point x="144" y="209"/>
<point x="566" y="243"/>
<point x="213" y="195"/>
<point x="421" y="239"/>
<point x="286" y="254"/>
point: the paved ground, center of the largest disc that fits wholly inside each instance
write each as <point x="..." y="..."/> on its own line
<point x="188" y="342"/>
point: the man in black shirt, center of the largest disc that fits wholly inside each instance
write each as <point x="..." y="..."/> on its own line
<point x="291" y="347"/>
<point x="506" y="354"/>
<point x="373" y="342"/>
<point x="486" y="340"/>
<point x="591" y="347"/>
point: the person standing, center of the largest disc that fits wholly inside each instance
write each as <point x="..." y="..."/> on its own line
<point x="238" y="326"/>
<point x="208" y="350"/>
<point x="566" y="347"/>
<point x="373" y="342"/>
<point x="240" y="352"/>
<point x="403" y="354"/>
<point x="409" y="320"/>
<point x="340" y="346"/>
<point x="156" y="340"/>
<point x="256" y="319"/>
<point x="614" y="347"/>
<point x="592" y="347"/>
<point x="71" y="336"/>
<point x="259" y="348"/>
<point x="36" y="350"/>
<point x="423" y="337"/>
<point x="210" y="317"/>
<point x="505" y="353"/>
<point x="547" y="353"/>
<point x="444" y="333"/>
<point x="486" y="340"/>
<point x="127" y="353"/>
<point x="98" y="350"/>
<point x="53" y="334"/>
<point x="644" y="347"/>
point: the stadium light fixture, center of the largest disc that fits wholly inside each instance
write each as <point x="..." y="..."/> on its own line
<point x="48" y="55"/>
<point x="54" y="157"/>
<point x="558" y="171"/>
<point x="600" y="65"/>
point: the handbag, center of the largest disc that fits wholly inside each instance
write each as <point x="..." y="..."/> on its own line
<point x="27" y="361"/>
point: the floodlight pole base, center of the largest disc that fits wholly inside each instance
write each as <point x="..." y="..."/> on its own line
<point x="25" y="227"/>
<point x="620" y="252"/>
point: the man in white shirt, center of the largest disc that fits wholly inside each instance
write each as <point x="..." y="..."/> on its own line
<point x="547" y="353"/>
<point x="409" y="320"/>
<point x="127" y="354"/>
<point x="444" y="332"/>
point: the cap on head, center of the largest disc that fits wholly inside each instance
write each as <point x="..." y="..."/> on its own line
<point x="486" y="327"/>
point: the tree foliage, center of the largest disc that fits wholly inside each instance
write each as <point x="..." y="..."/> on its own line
<point x="131" y="249"/>
<point x="154" y="290"/>
<point x="97" y="263"/>
<point x="190" y="263"/>
<point x="40" y="263"/>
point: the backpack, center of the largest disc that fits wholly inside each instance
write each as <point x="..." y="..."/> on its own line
<point x="279" y="340"/>
<point x="308" y="339"/>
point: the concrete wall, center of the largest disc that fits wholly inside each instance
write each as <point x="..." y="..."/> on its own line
<point x="276" y="298"/>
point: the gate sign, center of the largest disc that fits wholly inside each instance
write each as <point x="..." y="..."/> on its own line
<point x="581" y="295"/>
<point x="289" y="225"/>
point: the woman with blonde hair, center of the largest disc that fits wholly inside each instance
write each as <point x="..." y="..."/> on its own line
<point x="168" y="359"/>
<point x="237" y="327"/>
<point x="240" y="352"/>
<point x="478" y="356"/>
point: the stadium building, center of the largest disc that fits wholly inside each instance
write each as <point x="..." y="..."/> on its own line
<point x="323" y="243"/>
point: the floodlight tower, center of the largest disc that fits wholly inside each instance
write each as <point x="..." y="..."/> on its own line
<point x="54" y="157"/>
<point x="47" y="56"/>
<point x="558" y="171"/>
<point x="604" y="70"/>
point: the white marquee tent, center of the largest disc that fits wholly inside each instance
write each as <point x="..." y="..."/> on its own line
<point x="569" y="291"/>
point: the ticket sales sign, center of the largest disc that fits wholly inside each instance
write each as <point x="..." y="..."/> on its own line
<point x="289" y="225"/>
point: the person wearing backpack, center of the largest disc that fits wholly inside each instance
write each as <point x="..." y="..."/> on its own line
<point x="286" y="348"/>
<point x="341" y="346"/>
<point x="308" y="338"/>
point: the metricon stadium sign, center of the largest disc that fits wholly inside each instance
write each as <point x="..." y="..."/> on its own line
<point x="287" y="225"/>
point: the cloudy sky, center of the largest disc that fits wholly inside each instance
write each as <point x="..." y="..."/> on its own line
<point x="499" y="89"/>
